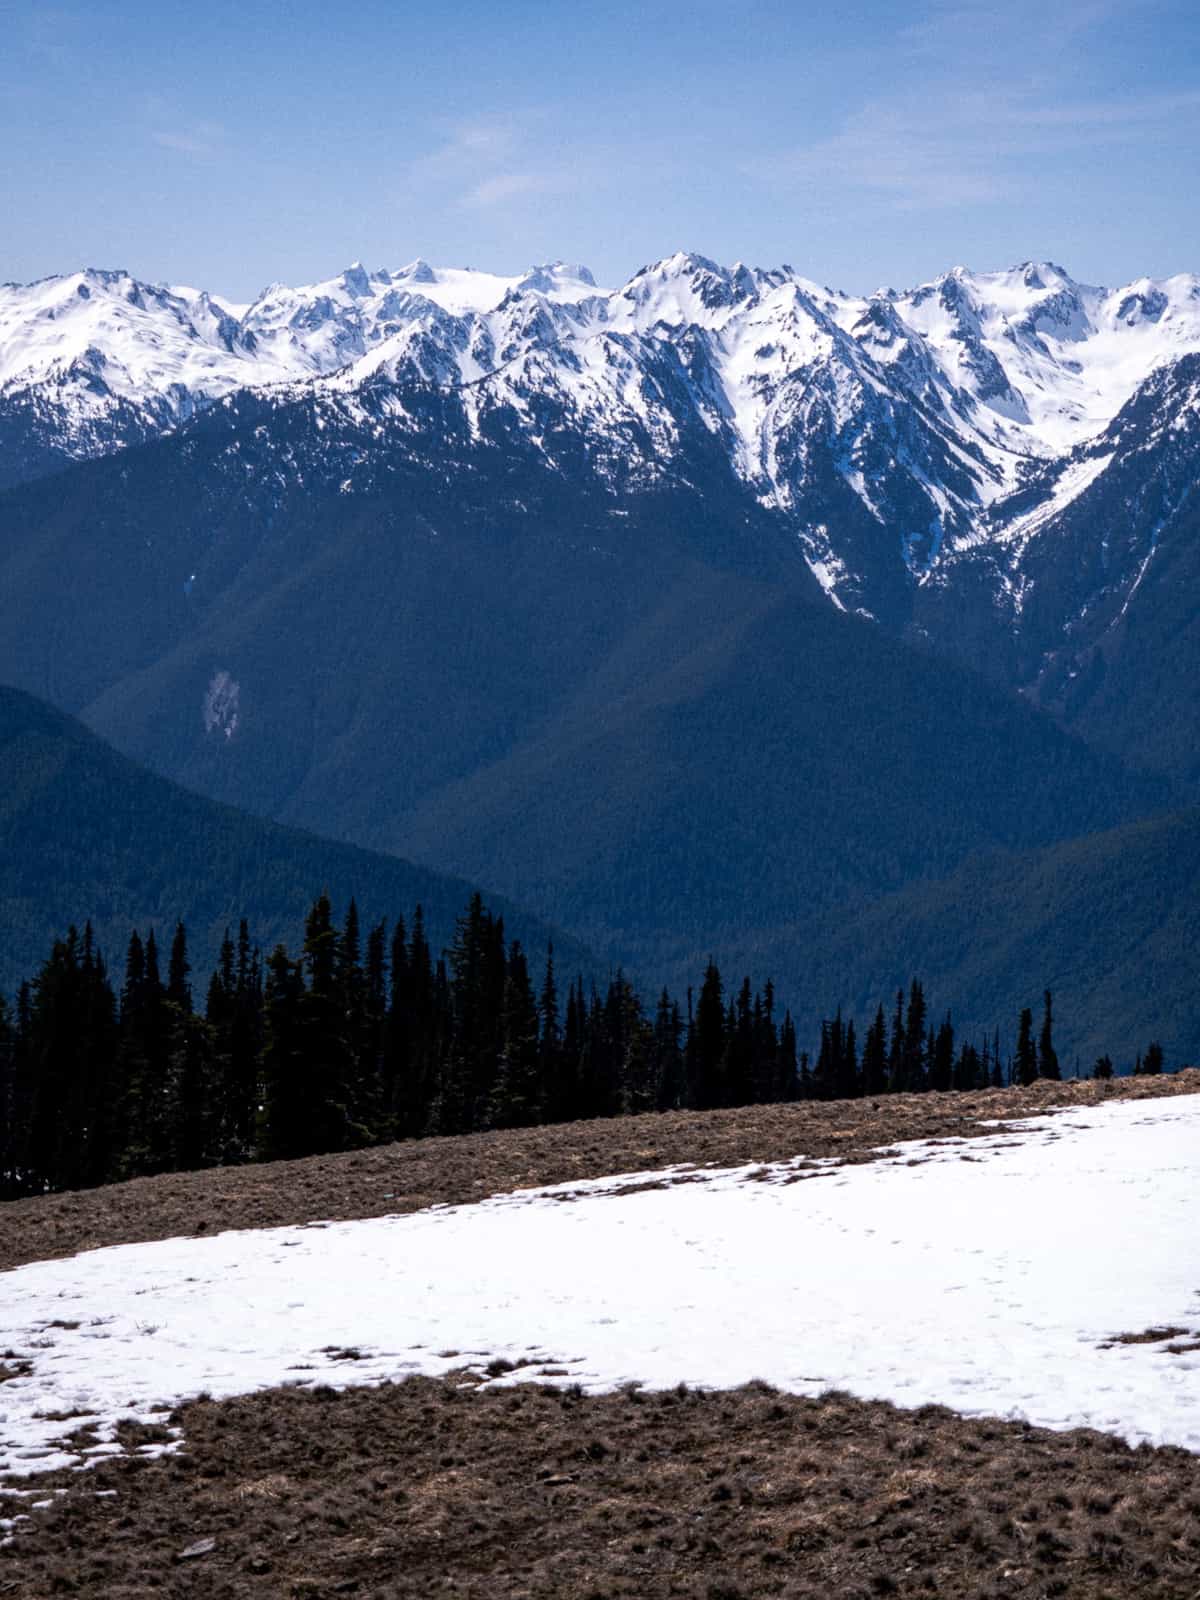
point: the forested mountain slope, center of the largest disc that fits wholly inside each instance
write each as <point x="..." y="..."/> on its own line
<point x="629" y="709"/>
<point x="1109" y="922"/>
<point x="87" y="834"/>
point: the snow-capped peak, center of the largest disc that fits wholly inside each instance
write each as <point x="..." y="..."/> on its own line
<point x="562" y="280"/>
<point x="356" y="281"/>
<point x="686" y="289"/>
<point x="931" y="406"/>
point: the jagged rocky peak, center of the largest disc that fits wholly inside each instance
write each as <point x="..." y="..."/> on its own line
<point x="689" y="287"/>
<point x="418" y="271"/>
<point x="879" y="323"/>
<point x="550" y="276"/>
<point x="1044" y="275"/>
<point x="356" y="280"/>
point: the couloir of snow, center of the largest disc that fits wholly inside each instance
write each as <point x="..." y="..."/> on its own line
<point x="989" y="1275"/>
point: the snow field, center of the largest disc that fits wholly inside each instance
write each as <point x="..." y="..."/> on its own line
<point x="988" y="1275"/>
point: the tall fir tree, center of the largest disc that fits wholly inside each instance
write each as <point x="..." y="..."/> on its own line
<point x="179" y="970"/>
<point x="896" y="1053"/>
<point x="287" y="1127"/>
<point x="668" y="1054"/>
<point x="913" y="1062"/>
<point x="1025" y="1065"/>
<point x="706" y="1044"/>
<point x="1047" y="1058"/>
<point x="518" y="1092"/>
<point x="941" y="1068"/>
<point x="874" y="1061"/>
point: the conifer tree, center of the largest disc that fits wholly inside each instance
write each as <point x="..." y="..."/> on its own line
<point x="8" y="1099"/>
<point x="706" y="1044"/>
<point x="768" y="1085"/>
<point x="1026" y="1065"/>
<point x="668" y="1054"/>
<point x="874" y="1062"/>
<point x="359" y="1087"/>
<point x="969" y="1070"/>
<point x="739" y="1050"/>
<point x="16" y="1173"/>
<point x="420" y="1007"/>
<point x="598" y="1083"/>
<point x="219" y="998"/>
<point x="241" y="1071"/>
<point x="328" y="1051"/>
<point x="897" y="1052"/>
<point x="913" y="1064"/>
<point x="566" y="1089"/>
<point x="848" y="1083"/>
<point x="789" y="1070"/>
<point x="548" y="1008"/>
<point x="287" y="1129"/>
<point x="98" y="1024"/>
<point x="1047" y="1059"/>
<point x="71" y="1049"/>
<point x="638" y="1073"/>
<point x="179" y="990"/>
<point x="468" y="1068"/>
<point x="550" y="1038"/>
<point x="518" y="1093"/>
<point x="196" y="1138"/>
<point x="941" y="1070"/>
<point x="373" y="1106"/>
<point x="145" y="1062"/>
<point x="395" y="1120"/>
<point x="610" y="1026"/>
<point x="829" y="1059"/>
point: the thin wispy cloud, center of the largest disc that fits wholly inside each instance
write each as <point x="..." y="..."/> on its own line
<point x="201" y="139"/>
<point x="976" y="137"/>
<point x="488" y="163"/>
<point x="506" y="186"/>
<point x="951" y="26"/>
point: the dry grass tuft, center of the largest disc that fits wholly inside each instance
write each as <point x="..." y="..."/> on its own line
<point x="426" y="1487"/>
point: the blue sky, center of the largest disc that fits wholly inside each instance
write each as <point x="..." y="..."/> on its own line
<point x="230" y="144"/>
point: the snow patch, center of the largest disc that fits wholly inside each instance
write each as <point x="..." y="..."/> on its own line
<point x="221" y="708"/>
<point x="990" y="1275"/>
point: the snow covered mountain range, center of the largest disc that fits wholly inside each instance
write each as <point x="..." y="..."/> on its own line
<point x="556" y="587"/>
<point x="916" y="445"/>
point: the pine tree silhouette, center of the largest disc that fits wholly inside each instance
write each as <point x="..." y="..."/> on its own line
<point x="1047" y="1059"/>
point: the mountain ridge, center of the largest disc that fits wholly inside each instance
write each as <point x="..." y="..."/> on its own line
<point x="909" y="444"/>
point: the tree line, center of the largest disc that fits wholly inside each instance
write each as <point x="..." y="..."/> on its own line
<point x="363" y="1040"/>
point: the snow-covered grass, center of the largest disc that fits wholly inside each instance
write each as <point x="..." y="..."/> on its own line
<point x="990" y="1275"/>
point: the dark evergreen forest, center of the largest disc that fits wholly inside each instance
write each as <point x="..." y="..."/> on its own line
<point x="367" y="1036"/>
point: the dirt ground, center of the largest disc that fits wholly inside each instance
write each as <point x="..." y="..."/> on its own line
<point x="430" y="1488"/>
<point x="407" y="1177"/>
<point x="446" y="1487"/>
